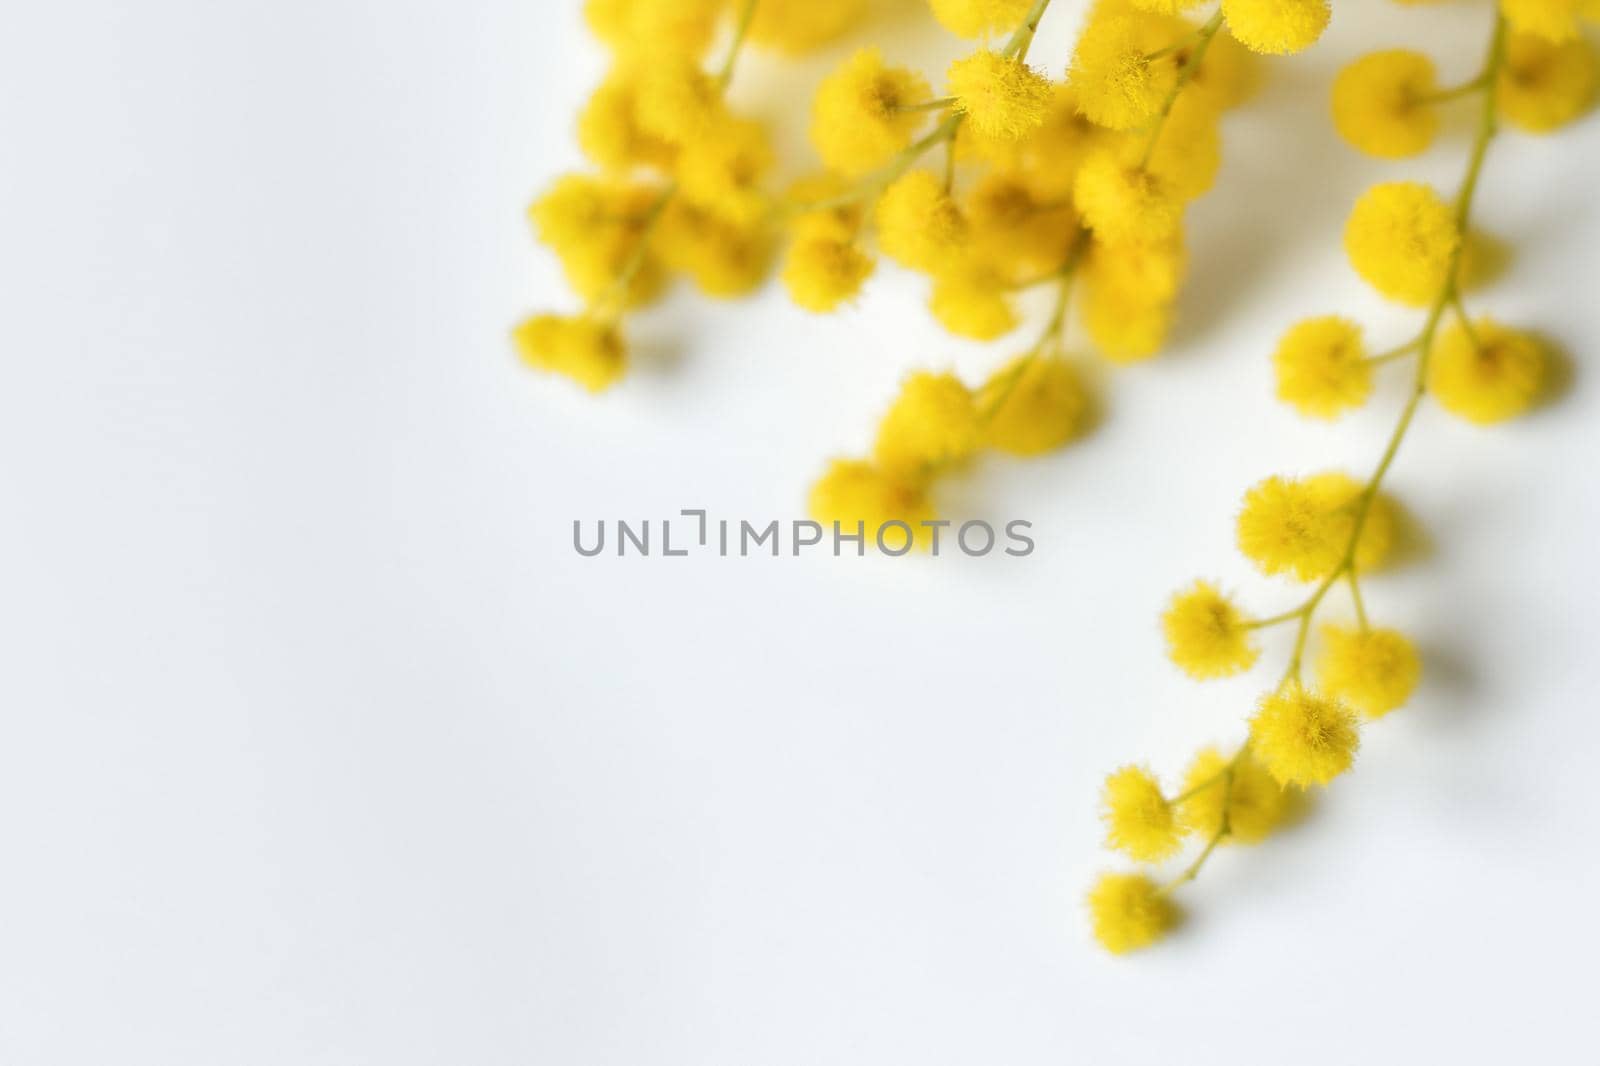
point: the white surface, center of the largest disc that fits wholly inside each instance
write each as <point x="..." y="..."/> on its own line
<point x="321" y="746"/>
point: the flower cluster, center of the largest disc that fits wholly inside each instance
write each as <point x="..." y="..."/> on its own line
<point x="1075" y="177"/>
<point x="679" y="188"/>
<point x="1009" y="181"/>
<point x="1410" y="244"/>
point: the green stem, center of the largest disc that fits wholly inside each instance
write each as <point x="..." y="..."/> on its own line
<point x="1355" y="597"/>
<point x="1185" y="74"/>
<point x="1465" y="89"/>
<point x="741" y="30"/>
<point x="928" y="105"/>
<point x="1448" y="295"/>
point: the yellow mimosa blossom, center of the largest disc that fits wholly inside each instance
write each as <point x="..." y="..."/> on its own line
<point x="1256" y="804"/>
<point x="798" y="26"/>
<point x="1339" y="495"/>
<point x="861" y="117"/>
<point x="1554" y="20"/>
<point x="677" y="101"/>
<point x="853" y="492"/>
<point x="1380" y="103"/>
<point x="1128" y="912"/>
<point x="1032" y="405"/>
<point x="919" y="226"/>
<point x="1207" y="636"/>
<point x="822" y="272"/>
<point x="1117" y="84"/>
<point x="1014" y="231"/>
<point x="1188" y="152"/>
<point x="1047" y="159"/>
<point x="1276" y="27"/>
<point x="1139" y="820"/>
<point x="1126" y="326"/>
<point x="1322" y="367"/>
<point x="933" y="422"/>
<point x="1286" y="526"/>
<point x="1401" y="238"/>
<point x="588" y="351"/>
<point x="1374" y="670"/>
<point x="1303" y="738"/>
<point x="653" y="27"/>
<point x="1228" y="73"/>
<point x="608" y="129"/>
<point x="1149" y="271"/>
<point x="841" y="221"/>
<point x="1165" y="7"/>
<point x="1542" y="85"/>
<point x="1122" y="202"/>
<point x="971" y="300"/>
<point x="720" y="171"/>
<point x="1489" y="374"/>
<point x="1001" y="96"/>
<point x="974" y="18"/>
<point x="723" y="258"/>
<point x="595" y="227"/>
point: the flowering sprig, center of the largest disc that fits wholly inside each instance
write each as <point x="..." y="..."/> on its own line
<point x="681" y="189"/>
<point x="1412" y="246"/>
<point x="1082" y="186"/>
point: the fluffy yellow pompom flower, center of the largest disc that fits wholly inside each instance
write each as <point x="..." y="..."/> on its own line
<point x="1339" y="495"/>
<point x="1375" y="670"/>
<point x="860" y="118"/>
<point x="678" y="102"/>
<point x="1188" y="152"/>
<point x="919" y="225"/>
<point x="609" y="133"/>
<point x="1303" y="738"/>
<point x="821" y="273"/>
<point x="798" y="26"/>
<point x="971" y="300"/>
<point x="1139" y="820"/>
<point x="1380" y="104"/>
<point x="719" y="172"/>
<point x="1151" y="270"/>
<point x="931" y="423"/>
<point x="587" y="351"/>
<point x="724" y="259"/>
<point x="1276" y="27"/>
<point x="653" y="27"/>
<point x="1014" y="231"/>
<point x="1287" y="526"/>
<point x="842" y="221"/>
<point x="974" y="18"/>
<point x="1165" y="7"/>
<point x="1034" y="404"/>
<point x="1117" y="83"/>
<point x="1554" y="20"/>
<point x="1256" y="804"/>
<point x="1128" y="912"/>
<point x="1543" y="86"/>
<point x="1206" y="634"/>
<point x="1322" y="367"/>
<point x="1047" y="159"/>
<point x="1126" y="326"/>
<point x="1001" y="96"/>
<point x="1402" y="238"/>
<point x="1124" y="203"/>
<point x="595" y="228"/>
<point x="853" y="492"/>
<point x="1496" y="376"/>
<point x="1228" y="73"/>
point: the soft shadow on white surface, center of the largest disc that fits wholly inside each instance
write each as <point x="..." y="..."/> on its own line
<point x="322" y="746"/>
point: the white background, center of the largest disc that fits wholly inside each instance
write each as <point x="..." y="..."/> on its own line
<point x="322" y="746"/>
